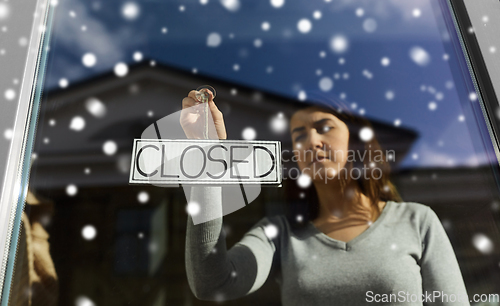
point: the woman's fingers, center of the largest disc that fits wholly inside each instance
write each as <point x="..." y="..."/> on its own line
<point x="188" y="102"/>
<point x="216" y="113"/>
<point x="218" y="119"/>
<point x="192" y="95"/>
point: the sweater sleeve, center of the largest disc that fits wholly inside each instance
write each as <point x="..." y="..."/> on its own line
<point x="441" y="276"/>
<point x="215" y="273"/>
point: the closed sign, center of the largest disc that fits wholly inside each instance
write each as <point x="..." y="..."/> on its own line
<point x="187" y="161"/>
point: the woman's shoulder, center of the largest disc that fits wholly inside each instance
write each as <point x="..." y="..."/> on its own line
<point x="279" y="221"/>
<point x="408" y="205"/>
<point x="413" y="210"/>
<point x="274" y="224"/>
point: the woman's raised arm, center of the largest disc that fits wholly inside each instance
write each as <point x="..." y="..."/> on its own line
<point x="215" y="273"/>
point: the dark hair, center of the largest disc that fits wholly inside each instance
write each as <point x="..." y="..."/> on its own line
<point x="376" y="190"/>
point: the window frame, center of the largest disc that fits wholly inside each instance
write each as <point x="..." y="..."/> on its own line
<point x="17" y="171"/>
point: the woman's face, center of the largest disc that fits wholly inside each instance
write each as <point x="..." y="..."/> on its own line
<point x="320" y="143"/>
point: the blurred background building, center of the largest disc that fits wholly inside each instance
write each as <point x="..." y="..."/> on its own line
<point x="119" y="244"/>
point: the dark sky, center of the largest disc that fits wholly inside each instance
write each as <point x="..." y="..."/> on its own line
<point x="317" y="48"/>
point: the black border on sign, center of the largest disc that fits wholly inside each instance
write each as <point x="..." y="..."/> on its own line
<point x="274" y="143"/>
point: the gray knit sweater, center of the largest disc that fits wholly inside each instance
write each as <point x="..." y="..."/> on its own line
<point x="403" y="258"/>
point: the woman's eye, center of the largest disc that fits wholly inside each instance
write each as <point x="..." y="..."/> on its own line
<point x="299" y="137"/>
<point x="326" y="128"/>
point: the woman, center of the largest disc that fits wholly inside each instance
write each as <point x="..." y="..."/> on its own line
<point x="358" y="244"/>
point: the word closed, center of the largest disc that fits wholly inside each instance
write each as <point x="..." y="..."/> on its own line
<point x="184" y="161"/>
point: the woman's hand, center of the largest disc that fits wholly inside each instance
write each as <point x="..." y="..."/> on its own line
<point x="192" y="118"/>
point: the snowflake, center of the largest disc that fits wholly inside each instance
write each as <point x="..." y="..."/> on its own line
<point x="131" y="10"/>
<point x="214" y="40"/>
<point x="71" y="190"/>
<point x="109" y="147"/>
<point x="304" y="181"/>
<point x="89" y="60"/>
<point x="370" y="25"/>
<point x="89" y="232"/>
<point x="304" y="25"/>
<point x="249" y="133"/>
<point x="420" y="56"/>
<point x="143" y="197"/>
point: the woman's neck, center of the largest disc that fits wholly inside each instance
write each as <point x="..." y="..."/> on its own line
<point x="335" y="205"/>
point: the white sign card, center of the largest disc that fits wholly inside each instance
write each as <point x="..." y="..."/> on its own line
<point x="213" y="162"/>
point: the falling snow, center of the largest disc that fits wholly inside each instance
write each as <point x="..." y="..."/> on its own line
<point x="366" y="134"/>
<point x="137" y="56"/>
<point x="4" y="10"/>
<point x="7" y="134"/>
<point x="89" y="60"/>
<point x="193" y="208"/>
<point x="89" y="232"/>
<point x="84" y="301"/>
<point x="214" y="40"/>
<point x="271" y="231"/>
<point x="304" y="180"/>
<point x="109" y="147"/>
<point x="63" y="83"/>
<point x="71" y="190"/>
<point x="77" y="123"/>
<point x="265" y="26"/>
<point x="277" y="3"/>
<point x="304" y="26"/>
<point x="279" y="123"/>
<point x="231" y="5"/>
<point x="385" y="61"/>
<point x="360" y="12"/>
<point x="368" y="74"/>
<point x="121" y="69"/>
<point x="249" y="133"/>
<point x="131" y="10"/>
<point x="302" y="96"/>
<point x="482" y="243"/>
<point x="339" y="44"/>
<point x="420" y="56"/>
<point x="23" y="41"/>
<point x="325" y="84"/>
<point x="143" y="197"/>
<point x="10" y="94"/>
<point x="370" y="25"/>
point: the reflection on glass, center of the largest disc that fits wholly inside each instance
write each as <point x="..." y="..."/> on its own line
<point x="35" y="280"/>
<point x="113" y="71"/>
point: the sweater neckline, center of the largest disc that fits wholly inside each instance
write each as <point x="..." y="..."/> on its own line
<point x="348" y="245"/>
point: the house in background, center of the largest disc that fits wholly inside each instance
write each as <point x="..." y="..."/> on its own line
<point x="83" y="150"/>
